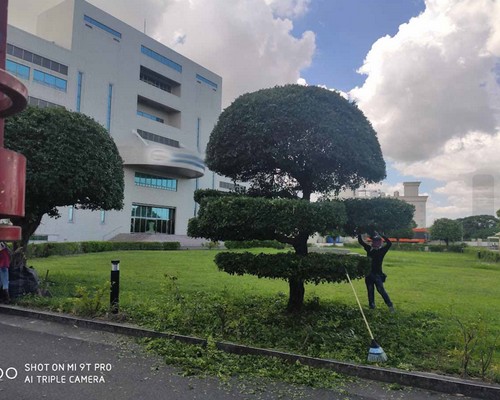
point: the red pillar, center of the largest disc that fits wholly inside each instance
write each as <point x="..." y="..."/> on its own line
<point x="13" y="98"/>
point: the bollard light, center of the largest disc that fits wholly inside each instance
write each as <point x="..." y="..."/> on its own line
<point x="115" y="286"/>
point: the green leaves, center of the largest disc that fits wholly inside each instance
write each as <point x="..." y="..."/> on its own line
<point x="446" y="229"/>
<point x="313" y="268"/>
<point x="295" y="138"/>
<point x="246" y="218"/>
<point x="71" y="160"/>
<point x="385" y="215"/>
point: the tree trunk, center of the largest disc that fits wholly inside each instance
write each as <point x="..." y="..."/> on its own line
<point x="296" y="285"/>
<point x="296" y="299"/>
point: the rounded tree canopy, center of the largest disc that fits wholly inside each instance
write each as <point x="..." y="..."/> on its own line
<point x="381" y="214"/>
<point x="71" y="160"/>
<point x="295" y="138"/>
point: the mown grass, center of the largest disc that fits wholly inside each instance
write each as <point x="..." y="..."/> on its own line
<point x="438" y="297"/>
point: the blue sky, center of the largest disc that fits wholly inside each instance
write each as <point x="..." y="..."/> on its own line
<point x="430" y="82"/>
<point x="345" y="32"/>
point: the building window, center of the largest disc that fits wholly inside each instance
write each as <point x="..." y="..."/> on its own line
<point x="36" y="102"/>
<point x="108" y="115"/>
<point x="36" y="59"/>
<point x="71" y="214"/>
<point x="49" y="80"/>
<point x="158" y="139"/>
<point x="103" y="217"/>
<point x="150" y="116"/>
<point x="79" y="91"/>
<point x="156" y="182"/>
<point x="19" y="70"/>
<point x="162" y="59"/>
<point x="100" y="25"/>
<point x="151" y="219"/>
<point x="206" y="81"/>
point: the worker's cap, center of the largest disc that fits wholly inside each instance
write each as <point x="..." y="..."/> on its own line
<point x="376" y="238"/>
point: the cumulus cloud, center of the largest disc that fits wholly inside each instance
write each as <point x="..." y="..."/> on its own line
<point x="289" y="8"/>
<point x="241" y="40"/>
<point x="433" y="80"/>
<point x="433" y="95"/>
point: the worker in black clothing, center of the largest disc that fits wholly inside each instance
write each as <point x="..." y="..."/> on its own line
<point x="376" y="277"/>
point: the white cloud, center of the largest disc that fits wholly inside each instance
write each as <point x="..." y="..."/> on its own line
<point x="243" y="41"/>
<point x="289" y="8"/>
<point x="432" y="93"/>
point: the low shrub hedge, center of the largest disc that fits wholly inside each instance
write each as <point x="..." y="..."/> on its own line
<point x="249" y="244"/>
<point x="67" y="248"/>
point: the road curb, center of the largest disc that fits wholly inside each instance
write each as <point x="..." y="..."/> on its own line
<point x="421" y="380"/>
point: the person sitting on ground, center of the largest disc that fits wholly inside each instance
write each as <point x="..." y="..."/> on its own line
<point x="376" y="278"/>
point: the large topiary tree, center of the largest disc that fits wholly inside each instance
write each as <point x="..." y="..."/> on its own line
<point x="71" y="160"/>
<point x="288" y="142"/>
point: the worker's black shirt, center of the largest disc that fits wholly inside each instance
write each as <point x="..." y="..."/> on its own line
<point x="376" y="255"/>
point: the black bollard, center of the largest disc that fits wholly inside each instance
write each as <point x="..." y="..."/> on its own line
<point x="115" y="286"/>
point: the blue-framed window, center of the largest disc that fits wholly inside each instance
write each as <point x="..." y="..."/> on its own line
<point x="156" y="182"/>
<point x="164" y="60"/>
<point x="79" y="91"/>
<point x="71" y="214"/>
<point x="50" y="80"/>
<point x="20" y="70"/>
<point x="110" y="99"/>
<point x="100" y="25"/>
<point x="150" y="116"/>
<point x="102" y="217"/>
<point x="206" y="81"/>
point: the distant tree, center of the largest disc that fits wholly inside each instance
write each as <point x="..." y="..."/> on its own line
<point x="479" y="226"/>
<point x="71" y="160"/>
<point x="446" y="229"/>
<point x="288" y="142"/>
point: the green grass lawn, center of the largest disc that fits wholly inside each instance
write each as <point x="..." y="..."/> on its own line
<point x="431" y="291"/>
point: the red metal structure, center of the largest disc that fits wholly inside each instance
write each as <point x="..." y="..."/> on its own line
<point x="13" y="99"/>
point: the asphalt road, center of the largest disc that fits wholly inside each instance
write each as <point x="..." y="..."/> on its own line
<point x="46" y="360"/>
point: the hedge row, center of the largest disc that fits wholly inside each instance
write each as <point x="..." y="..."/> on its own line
<point x="488" y="256"/>
<point x="249" y="244"/>
<point x="433" y="248"/>
<point x="67" y="248"/>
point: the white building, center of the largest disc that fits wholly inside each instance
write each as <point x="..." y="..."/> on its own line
<point x="412" y="196"/>
<point x="158" y="106"/>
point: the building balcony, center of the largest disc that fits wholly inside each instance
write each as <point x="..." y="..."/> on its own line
<point x="171" y="161"/>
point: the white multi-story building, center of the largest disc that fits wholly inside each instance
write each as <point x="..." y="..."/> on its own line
<point x="412" y="196"/>
<point x="158" y="106"/>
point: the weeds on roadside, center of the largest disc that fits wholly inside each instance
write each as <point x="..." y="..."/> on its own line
<point x="89" y="301"/>
<point x="475" y="347"/>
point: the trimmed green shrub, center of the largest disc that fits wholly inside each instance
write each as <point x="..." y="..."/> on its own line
<point x="250" y="244"/>
<point x="67" y="248"/>
<point x="314" y="268"/>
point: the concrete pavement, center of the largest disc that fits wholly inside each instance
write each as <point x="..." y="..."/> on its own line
<point x="47" y="360"/>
